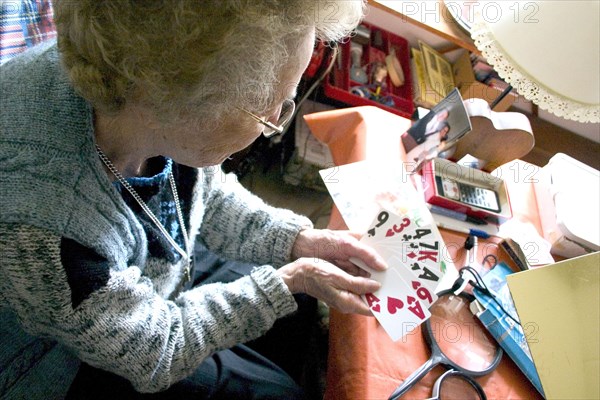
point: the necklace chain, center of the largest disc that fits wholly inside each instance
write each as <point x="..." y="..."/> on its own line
<point x="184" y="253"/>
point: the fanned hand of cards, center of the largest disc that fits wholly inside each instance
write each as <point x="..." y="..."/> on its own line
<point x="413" y="252"/>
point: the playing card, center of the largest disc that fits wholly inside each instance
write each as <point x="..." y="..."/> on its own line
<point x="422" y="285"/>
<point x="395" y="305"/>
<point x="392" y="231"/>
<point x="387" y="225"/>
<point x="387" y="230"/>
<point x="412" y="246"/>
<point x="422" y="253"/>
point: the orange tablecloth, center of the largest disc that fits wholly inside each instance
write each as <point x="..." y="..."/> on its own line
<point x="363" y="362"/>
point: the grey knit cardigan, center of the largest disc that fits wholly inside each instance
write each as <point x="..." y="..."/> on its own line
<point x="139" y="325"/>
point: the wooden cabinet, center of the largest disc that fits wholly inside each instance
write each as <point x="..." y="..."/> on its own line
<point x="431" y="22"/>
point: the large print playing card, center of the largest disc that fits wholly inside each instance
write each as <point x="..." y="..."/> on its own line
<point x="408" y="244"/>
<point x="420" y="285"/>
<point x="422" y="251"/>
<point x="363" y="190"/>
<point x="395" y="305"/>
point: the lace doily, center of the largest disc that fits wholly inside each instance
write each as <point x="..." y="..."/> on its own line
<point x="525" y="85"/>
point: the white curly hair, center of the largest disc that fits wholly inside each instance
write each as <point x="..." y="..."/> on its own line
<point x="190" y="56"/>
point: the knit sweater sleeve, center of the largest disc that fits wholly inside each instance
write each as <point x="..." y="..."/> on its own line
<point x="241" y="226"/>
<point x="123" y="325"/>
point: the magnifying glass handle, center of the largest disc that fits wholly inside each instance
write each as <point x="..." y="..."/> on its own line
<point x="413" y="378"/>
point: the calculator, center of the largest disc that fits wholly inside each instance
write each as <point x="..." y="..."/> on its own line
<point x="479" y="197"/>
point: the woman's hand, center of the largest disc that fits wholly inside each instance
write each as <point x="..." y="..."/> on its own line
<point x="337" y="247"/>
<point x="326" y="282"/>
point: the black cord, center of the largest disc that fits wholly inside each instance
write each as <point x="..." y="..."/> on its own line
<point x="481" y="286"/>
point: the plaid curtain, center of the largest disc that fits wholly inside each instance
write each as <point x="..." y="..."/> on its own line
<point x="23" y="24"/>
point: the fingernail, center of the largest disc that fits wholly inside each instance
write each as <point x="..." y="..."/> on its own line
<point x="383" y="263"/>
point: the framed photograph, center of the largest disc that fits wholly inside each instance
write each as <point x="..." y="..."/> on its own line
<point x="437" y="131"/>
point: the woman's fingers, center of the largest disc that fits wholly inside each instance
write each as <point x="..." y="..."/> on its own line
<point x="350" y="303"/>
<point x="351" y="247"/>
<point x="341" y="246"/>
<point x="330" y="284"/>
<point x="352" y="268"/>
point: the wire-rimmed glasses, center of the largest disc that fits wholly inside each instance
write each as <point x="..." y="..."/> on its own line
<point x="287" y="111"/>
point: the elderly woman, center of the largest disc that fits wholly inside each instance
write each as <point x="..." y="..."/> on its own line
<point x="111" y="141"/>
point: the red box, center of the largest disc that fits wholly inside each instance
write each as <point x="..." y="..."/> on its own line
<point x="448" y="169"/>
<point x="338" y="85"/>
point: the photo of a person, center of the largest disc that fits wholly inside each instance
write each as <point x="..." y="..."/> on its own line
<point x="437" y="131"/>
<point x="430" y="125"/>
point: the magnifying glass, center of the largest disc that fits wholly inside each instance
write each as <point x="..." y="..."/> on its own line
<point x="457" y="340"/>
<point x="454" y="385"/>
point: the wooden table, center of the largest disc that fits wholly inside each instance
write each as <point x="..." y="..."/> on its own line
<point x="363" y="362"/>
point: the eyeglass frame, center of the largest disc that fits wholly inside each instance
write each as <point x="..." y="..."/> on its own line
<point x="282" y="122"/>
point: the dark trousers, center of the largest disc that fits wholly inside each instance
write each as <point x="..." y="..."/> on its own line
<point x="267" y="368"/>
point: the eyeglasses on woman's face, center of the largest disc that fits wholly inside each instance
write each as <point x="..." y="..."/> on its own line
<point x="285" y="115"/>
